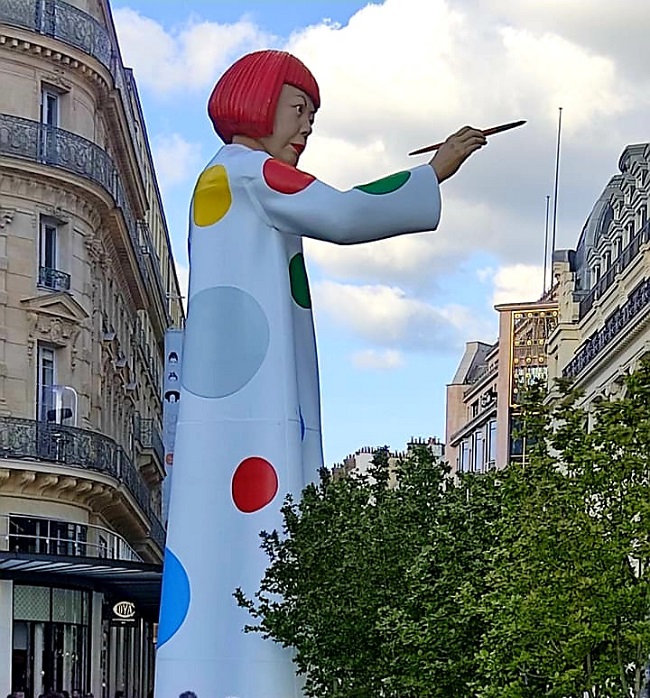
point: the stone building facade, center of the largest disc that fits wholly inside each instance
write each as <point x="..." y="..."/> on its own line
<point x="593" y="327"/>
<point x="88" y="289"/>
<point x="604" y="286"/>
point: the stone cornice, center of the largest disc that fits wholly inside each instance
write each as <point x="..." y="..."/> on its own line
<point x="42" y="46"/>
<point x="55" y="188"/>
<point x="99" y="494"/>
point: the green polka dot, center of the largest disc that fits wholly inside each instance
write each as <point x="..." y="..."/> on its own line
<point x="386" y="185"/>
<point x="299" y="281"/>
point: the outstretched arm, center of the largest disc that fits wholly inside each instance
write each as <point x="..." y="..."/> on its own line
<point x="298" y="204"/>
<point x="406" y="202"/>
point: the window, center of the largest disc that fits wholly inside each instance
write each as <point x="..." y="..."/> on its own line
<point x="479" y="451"/>
<point x="46" y="536"/>
<point x="608" y="260"/>
<point x="47" y="244"/>
<point x="51" y="645"/>
<point x="49" y="121"/>
<point x="596" y="275"/>
<point x="50" y="107"/>
<point x="618" y="247"/>
<point x="465" y="456"/>
<point x="492" y="441"/>
<point x="45" y="382"/>
<point x="48" y="247"/>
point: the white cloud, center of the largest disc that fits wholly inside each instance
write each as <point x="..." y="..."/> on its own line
<point x="190" y="56"/>
<point x="517" y="283"/>
<point x="374" y="360"/>
<point x="175" y="158"/>
<point x="386" y="317"/>
<point x="405" y="73"/>
<point x="605" y="27"/>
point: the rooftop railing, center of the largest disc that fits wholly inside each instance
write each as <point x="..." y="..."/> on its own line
<point x="624" y="259"/>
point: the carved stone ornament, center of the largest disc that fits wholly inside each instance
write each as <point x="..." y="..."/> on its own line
<point x="57" y="318"/>
<point x="6" y="216"/>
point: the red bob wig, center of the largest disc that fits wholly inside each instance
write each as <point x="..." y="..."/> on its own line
<point x="244" y="100"/>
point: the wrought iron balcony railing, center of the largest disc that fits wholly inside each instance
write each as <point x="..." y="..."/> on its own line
<point x="147" y="435"/>
<point x="79" y="448"/>
<point x="61" y="21"/>
<point x="67" y="23"/>
<point x="618" y="321"/>
<point x="37" y="142"/>
<point x="627" y="256"/>
<point x="53" y="279"/>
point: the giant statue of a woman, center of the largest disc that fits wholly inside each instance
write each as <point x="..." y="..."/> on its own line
<point x="249" y="430"/>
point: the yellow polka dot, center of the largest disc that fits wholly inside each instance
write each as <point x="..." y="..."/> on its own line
<point x="212" y="197"/>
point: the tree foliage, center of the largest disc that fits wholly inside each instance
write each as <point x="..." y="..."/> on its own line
<point x="529" y="581"/>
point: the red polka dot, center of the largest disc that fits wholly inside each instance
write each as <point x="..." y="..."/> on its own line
<point x="283" y="178"/>
<point x="254" y="484"/>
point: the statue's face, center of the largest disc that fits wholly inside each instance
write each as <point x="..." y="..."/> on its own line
<point x="294" y="117"/>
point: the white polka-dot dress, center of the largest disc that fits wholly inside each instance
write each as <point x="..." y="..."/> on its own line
<point x="248" y="430"/>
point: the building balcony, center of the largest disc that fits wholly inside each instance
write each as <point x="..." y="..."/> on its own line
<point x="61" y="21"/>
<point x="53" y="279"/>
<point x="618" y="266"/>
<point x="150" y="451"/>
<point x="55" y="147"/>
<point x="67" y="23"/>
<point x="27" y="439"/>
<point x="618" y="322"/>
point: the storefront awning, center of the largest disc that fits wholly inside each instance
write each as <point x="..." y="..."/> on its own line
<point x="138" y="582"/>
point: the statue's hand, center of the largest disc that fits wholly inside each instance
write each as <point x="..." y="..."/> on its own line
<point x="455" y="150"/>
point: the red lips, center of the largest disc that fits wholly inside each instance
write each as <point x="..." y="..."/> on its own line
<point x="298" y="147"/>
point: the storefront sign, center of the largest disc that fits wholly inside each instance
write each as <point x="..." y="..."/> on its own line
<point x="124" y="610"/>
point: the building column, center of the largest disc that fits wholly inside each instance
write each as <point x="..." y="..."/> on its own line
<point x="96" y="604"/>
<point x="6" y="634"/>
<point x="113" y="660"/>
<point x="38" y="658"/>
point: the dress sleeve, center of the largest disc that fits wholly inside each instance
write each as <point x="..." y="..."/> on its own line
<point x="297" y="203"/>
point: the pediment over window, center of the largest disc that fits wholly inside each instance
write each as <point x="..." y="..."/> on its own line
<point x="57" y="319"/>
<point x="61" y="306"/>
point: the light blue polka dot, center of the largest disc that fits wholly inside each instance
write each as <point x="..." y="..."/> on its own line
<point x="175" y="601"/>
<point x="226" y="340"/>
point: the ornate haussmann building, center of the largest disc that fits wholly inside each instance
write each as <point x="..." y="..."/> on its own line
<point x="87" y="291"/>
<point x="592" y="327"/>
<point x="604" y="286"/>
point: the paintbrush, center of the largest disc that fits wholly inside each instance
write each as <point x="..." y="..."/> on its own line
<point x="486" y="132"/>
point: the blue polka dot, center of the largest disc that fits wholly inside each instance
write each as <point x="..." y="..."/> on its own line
<point x="175" y="601"/>
<point x="302" y="425"/>
<point x="226" y="340"/>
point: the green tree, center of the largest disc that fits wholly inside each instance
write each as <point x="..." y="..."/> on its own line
<point x="568" y="613"/>
<point x="376" y="587"/>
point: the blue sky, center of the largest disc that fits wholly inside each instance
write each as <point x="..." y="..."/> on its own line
<point x="392" y="317"/>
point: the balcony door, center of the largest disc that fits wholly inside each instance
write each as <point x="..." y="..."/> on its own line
<point x="47" y="245"/>
<point x="50" y="103"/>
<point x="46" y="380"/>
